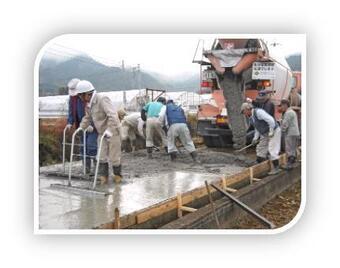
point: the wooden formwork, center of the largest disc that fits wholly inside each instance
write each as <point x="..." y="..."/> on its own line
<point x="179" y="203"/>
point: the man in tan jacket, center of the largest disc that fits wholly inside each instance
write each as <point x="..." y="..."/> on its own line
<point x="100" y="111"/>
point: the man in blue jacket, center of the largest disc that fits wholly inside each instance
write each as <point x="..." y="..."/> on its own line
<point x="176" y="122"/>
<point x="154" y="123"/>
<point x="76" y="112"/>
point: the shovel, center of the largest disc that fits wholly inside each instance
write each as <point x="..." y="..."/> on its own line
<point x="246" y="147"/>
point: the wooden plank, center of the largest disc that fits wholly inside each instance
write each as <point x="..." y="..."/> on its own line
<point x="117" y="219"/>
<point x="229" y="189"/>
<point x="224" y="183"/>
<point x="188" y="209"/>
<point x="158" y="209"/>
<point x="179" y="205"/>
<point x="251" y="174"/>
<point x="212" y="205"/>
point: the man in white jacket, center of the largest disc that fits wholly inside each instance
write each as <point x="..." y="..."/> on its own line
<point x="132" y="126"/>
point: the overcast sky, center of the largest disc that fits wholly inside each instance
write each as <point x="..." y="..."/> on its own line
<point x="166" y="54"/>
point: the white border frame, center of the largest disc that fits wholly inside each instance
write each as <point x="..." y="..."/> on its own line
<point x="172" y="232"/>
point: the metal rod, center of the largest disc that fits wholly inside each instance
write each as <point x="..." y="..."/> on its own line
<point x="246" y="208"/>
<point x="212" y="205"/>
<point x="71" y="156"/>
<point x="64" y="146"/>
<point x="84" y="151"/>
<point x="97" y="165"/>
<point x="76" y="144"/>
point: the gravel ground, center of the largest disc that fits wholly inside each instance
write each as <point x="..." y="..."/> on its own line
<point x="137" y="164"/>
<point x="280" y="210"/>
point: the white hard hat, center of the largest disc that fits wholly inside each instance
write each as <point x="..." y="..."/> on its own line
<point x="246" y="106"/>
<point x="84" y="86"/>
<point x="71" y="85"/>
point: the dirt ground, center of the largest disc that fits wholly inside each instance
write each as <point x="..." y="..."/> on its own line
<point x="137" y="165"/>
<point x="212" y="162"/>
<point x="280" y="210"/>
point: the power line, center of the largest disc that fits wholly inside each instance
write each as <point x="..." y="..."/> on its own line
<point x="111" y="61"/>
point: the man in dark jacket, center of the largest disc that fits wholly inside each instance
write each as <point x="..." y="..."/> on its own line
<point x="176" y="122"/>
<point x="263" y="101"/>
<point x="269" y="132"/>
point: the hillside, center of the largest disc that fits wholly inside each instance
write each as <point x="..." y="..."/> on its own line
<point x="294" y="62"/>
<point x="55" y="75"/>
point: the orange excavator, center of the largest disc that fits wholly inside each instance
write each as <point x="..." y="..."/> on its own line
<point x="232" y="71"/>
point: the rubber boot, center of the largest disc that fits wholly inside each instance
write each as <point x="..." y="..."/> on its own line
<point x="149" y="151"/>
<point x="94" y="166"/>
<point x="194" y="156"/>
<point x="124" y="146"/>
<point x="260" y="159"/>
<point x="88" y="165"/>
<point x="103" y="179"/>
<point x="133" y="145"/>
<point x="276" y="169"/>
<point x="173" y="156"/>
<point x="290" y="163"/>
<point x="117" y="173"/>
<point x="103" y="172"/>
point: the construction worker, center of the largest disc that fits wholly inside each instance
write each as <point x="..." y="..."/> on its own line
<point x="154" y="124"/>
<point x="263" y="101"/>
<point x="176" y="123"/>
<point x="295" y="103"/>
<point x="100" y="111"/>
<point x="121" y="114"/>
<point x="76" y="112"/>
<point x="269" y="131"/>
<point x="132" y="126"/>
<point x="294" y="99"/>
<point x="290" y="131"/>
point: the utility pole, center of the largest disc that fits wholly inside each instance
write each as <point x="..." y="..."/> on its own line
<point x="125" y="80"/>
<point x="139" y="78"/>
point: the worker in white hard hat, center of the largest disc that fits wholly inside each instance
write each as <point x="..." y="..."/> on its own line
<point x="269" y="132"/>
<point x="100" y="111"/>
<point x="132" y="126"/>
<point x="76" y="112"/>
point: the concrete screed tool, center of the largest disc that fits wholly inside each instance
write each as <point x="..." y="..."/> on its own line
<point x="69" y="186"/>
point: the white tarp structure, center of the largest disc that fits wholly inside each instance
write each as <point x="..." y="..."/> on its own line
<point x="132" y="100"/>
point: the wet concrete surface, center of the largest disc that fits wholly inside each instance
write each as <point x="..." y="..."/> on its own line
<point x="146" y="182"/>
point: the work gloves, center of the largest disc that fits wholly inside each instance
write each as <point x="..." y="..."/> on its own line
<point x="254" y="142"/>
<point x="271" y="133"/>
<point x="89" y="129"/>
<point x="107" y="133"/>
<point x="68" y="126"/>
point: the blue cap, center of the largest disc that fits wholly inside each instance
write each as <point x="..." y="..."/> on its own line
<point x="262" y="93"/>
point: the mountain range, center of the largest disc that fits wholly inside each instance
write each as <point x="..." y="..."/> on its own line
<point x="54" y="75"/>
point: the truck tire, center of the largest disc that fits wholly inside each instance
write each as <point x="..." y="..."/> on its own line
<point x="233" y="92"/>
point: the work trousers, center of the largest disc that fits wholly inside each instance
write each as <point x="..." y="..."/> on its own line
<point x="153" y="125"/>
<point x="110" y="150"/>
<point x="269" y="145"/>
<point x="291" y="143"/>
<point x="128" y="132"/>
<point x="180" y="130"/>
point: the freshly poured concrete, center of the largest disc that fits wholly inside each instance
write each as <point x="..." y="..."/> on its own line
<point x="146" y="182"/>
